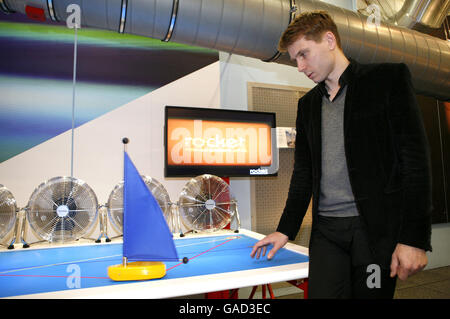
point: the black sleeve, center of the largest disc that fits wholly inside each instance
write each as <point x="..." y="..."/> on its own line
<point x="300" y="188"/>
<point x="412" y="146"/>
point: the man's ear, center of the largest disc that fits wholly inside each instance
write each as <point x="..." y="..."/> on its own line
<point x="331" y="39"/>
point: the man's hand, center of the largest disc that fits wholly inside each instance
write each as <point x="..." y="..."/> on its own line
<point x="277" y="239"/>
<point x="407" y="260"/>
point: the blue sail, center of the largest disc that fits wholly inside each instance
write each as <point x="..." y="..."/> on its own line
<point x="146" y="236"/>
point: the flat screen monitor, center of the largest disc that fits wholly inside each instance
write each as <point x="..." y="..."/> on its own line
<point x="219" y="142"/>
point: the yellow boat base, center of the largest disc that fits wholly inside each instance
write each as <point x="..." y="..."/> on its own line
<point x="137" y="270"/>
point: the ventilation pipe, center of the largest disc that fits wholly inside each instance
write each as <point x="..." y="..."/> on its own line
<point x="252" y="28"/>
<point x="426" y="12"/>
<point x="409" y="13"/>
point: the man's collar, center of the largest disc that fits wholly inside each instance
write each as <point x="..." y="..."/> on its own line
<point x="344" y="79"/>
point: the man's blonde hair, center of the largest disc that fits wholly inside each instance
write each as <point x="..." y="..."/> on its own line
<point x="312" y="25"/>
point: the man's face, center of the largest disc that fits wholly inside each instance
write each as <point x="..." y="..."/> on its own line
<point x="315" y="59"/>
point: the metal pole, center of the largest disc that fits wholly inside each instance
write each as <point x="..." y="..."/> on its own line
<point x="73" y="98"/>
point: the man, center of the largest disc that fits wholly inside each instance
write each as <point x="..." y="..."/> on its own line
<point x="362" y="154"/>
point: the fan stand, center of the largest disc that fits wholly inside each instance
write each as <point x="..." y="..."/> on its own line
<point x="13" y="239"/>
<point x="175" y="216"/>
<point x="20" y="231"/>
<point x="102" y="228"/>
<point x="235" y="217"/>
<point x="103" y="225"/>
<point x="237" y="220"/>
<point x="9" y="221"/>
<point x="105" y="222"/>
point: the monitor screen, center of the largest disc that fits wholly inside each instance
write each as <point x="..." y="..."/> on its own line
<point x="219" y="142"/>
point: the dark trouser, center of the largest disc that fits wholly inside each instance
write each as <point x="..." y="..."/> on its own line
<point x="341" y="263"/>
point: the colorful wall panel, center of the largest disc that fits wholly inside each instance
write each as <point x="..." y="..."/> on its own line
<point x="36" y="76"/>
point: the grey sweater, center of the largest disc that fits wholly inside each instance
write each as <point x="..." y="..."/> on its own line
<point x="336" y="196"/>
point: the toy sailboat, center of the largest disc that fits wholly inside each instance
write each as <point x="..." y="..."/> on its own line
<point x="147" y="240"/>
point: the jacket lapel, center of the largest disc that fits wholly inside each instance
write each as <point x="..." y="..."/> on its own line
<point x="316" y="149"/>
<point x="317" y="124"/>
<point x="348" y="106"/>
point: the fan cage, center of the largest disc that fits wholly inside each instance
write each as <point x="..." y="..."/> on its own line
<point x="8" y="211"/>
<point x="207" y="204"/>
<point x="62" y="209"/>
<point x="115" y="203"/>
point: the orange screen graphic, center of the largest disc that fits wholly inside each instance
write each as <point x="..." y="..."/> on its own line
<point x="198" y="142"/>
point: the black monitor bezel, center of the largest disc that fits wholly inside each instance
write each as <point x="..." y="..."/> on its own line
<point x="214" y="114"/>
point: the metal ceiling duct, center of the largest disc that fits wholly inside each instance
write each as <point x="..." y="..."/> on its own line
<point x="426" y="12"/>
<point x="408" y="13"/>
<point x="252" y="28"/>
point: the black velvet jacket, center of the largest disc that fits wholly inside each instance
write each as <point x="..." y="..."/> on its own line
<point x="387" y="157"/>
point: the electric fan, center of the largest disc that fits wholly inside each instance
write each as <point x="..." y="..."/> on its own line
<point x="115" y="203"/>
<point x="206" y="203"/>
<point x="62" y="209"/>
<point x="8" y="209"/>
